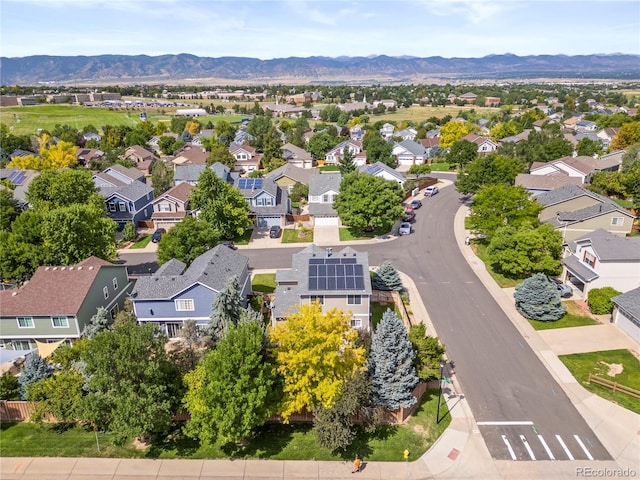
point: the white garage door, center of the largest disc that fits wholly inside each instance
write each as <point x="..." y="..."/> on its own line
<point x="325" y="220"/>
<point x="269" y="221"/>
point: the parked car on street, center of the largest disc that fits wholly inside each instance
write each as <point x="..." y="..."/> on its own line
<point x="416" y="204"/>
<point x="405" y="228"/>
<point x="409" y="216"/>
<point x="431" y="191"/>
<point x="274" y="231"/>
<point x="157" y="235"/>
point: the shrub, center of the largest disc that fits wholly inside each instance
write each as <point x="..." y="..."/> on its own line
<point x="537" y="298"/>
<point x="599" y="300"/>
<point x="129" y="232"/>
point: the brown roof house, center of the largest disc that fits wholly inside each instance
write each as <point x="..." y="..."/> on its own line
<point x="143" y="159"/>
<point x="172" y="206"/>
<point x="582" y="167"/>
<point x="190" y="155"/>
<point x="247" y="159"/>
<point x="59" y="301"/>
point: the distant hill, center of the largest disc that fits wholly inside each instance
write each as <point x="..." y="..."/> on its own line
<point x="191" y="69"/>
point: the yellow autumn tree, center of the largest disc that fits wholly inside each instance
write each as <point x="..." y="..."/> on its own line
<point x="52" y="156"/>
<point x="451" y="132"/>
<point x="315" y="354"/>
<point x="193" y="128"/>
<point x="628" y="134"/>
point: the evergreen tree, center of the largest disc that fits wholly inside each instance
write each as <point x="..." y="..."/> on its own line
<point x="100" y="321"/>
<point x="391" y="364"/>
<point x="35" y="368"/>
<point x="538" y="298"/>
<point x="9" y="387"/>
<point x="226" y="309"/>
<point x="346" y="164"/>
<point x="386" y="278"/>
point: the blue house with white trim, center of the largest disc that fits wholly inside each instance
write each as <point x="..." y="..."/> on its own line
<point x="175" y="293"/>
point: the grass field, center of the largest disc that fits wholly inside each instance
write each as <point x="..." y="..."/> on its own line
<point x="274" y="441"/>
<point x="297" y="235"/>
<point x="263" y="282"/>
<point x="27" y="120"/>
<point x="143" y="242"/>
<point x="420" y="114"/>
<point x="598" y="363"/>
<point x="573" y="318"/>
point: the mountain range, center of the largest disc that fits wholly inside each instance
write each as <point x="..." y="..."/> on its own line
<point x="191" y="69"/>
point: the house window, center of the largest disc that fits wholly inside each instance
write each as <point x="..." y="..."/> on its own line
<point x="184" y="305"/>
<point x="164" y="207"/>
<point x="325" y="198"/>
<point x="112" y="207"/>
<point x="115" y="283"/>
<point x="122" y="206"/>
<point x="590" y="259"/>
<point x="617" y="221"/>
<point x="21" y="345"/>
<point x="356" y="322"/>
<point x="25" y="322"/>
<point x="105" y="292"/>
<point x="59" y="322"/>
<point x="354" y="300"/>
<point x="317" y="298"/>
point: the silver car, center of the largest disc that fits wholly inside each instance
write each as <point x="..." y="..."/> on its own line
<point x="405" y="228"/>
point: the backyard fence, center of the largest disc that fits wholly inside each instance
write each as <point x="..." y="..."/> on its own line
<point x="384" y="297"/>
<point x="615" y="386"/>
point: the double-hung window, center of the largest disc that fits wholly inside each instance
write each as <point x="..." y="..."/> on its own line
<point x="59" y="322"/>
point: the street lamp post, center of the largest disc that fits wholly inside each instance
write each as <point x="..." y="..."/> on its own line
<point x="442" y="364"/>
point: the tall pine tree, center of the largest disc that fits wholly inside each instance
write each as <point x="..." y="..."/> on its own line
<point x="387" y="278"/>
<point x="537" y="298"/>
<point x="35" y="368"/>
<point x="391" y="364"/>
<point x="346" y="164"/>
<point x="225" y="310"/>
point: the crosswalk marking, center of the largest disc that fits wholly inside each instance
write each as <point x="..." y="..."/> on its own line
<point x="511" y="452"/>
<point x="589" y="456"/>
<point x="564" y="447"/>
<point x="526" y="445"/>
<point x="546" y="448"/>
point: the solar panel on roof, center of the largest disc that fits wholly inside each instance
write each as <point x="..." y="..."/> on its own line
<point x="344" y="261"/>
<point x="335" y="274"/>
<point x="316" y="261"/>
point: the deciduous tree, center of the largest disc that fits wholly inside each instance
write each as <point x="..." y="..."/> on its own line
<point x="187" y="240"/>
<point x="453" y="131"/>
<point x="61" y="188"/>
<point x="220" y="154"/>
<point x="161" y="178"/>
<point x="391" y="364"/>
<point x="316" y="353"/>
<point x="488" y="170"/>
<point x="462" y="152"/>
<point x="429" y="352"/>
<point x="366" y="201"/>
<point x="234" y="389"/>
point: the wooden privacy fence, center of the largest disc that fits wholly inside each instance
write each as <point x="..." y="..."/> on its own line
<point x="615" y="386"/>
<point x="21" y="411"/>
<point x="383" y="297"/>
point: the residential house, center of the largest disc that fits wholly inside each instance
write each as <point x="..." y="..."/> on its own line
<point x="20" y="181"/>
<point x="296" y="156"/>
<point x="606" y="135"/>
<point x="586" y="126"/>
<point x="576" y="211"/>
<point x="409" y="153"/>
<point x="176" y="293"/>
<point x="268" y="203"/>
<point x="154" y="142"/>
<point x="87" y="155"/>
<point x="520" y="137"/>
<point x="485" y="144"/>
<point x="323" y="189"/>
<point x="408" y="133"/>
<point x="537" y="184"/>
<point x="468" y="97"/>
<point x="337" y="280"/>
<point x="143" y="159"/>
<point x="285" y="110"/>
<point x="172" y="206"/>
<point x="582" y="167"/>
<point x="247" y="160"/>
<point x="59" y="301"/>
<point x="288" y="175"/>
<point x="336" y="154"/>
<point x="381" y="170"/>
<point x="191" y="155"/>
<point x="387" y="102"/>
<point x="431" y="146"/>
<point x="191" y="173"/>
<point x="602" y="259"/>
<point x="91" y="136"/>
<point x="387" y="131"/>
<point x="126" y="199"/>
<point x="570" y="123"/>
<point x="491" y="101"/>
<point x="626" y="313"/>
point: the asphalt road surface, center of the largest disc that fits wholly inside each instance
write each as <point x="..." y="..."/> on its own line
<point x="522" y="413"/>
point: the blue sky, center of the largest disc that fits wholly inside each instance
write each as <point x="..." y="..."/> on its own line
<point x="275" y="29"/>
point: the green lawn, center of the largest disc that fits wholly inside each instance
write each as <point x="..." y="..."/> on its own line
<point x="143" y="242"/>
<point x="348" y="234"/>
<point x="264" y="282"/>
<point x="297" y="235"/>
<point x="440" y="167"/>
<point x="582" y="364"/>
<point x="573" y="318"/>
<point x="275" y="441"/>
<point x="244" y="238"/>
<point x="501" y="280"/>
<point x="377" y="309"/>
<point x="329" y="168"/>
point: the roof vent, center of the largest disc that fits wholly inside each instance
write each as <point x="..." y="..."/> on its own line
<point x="46" y="268"/>
<point x="14" y="294"/>
<point x="70" y="268"/>
<point x="55" y="268"/>
<point x="80" y="267"/>
<point x="91" y="267"/>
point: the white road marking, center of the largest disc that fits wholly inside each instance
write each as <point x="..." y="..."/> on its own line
<point x="526" y="422"/>
<point x="511" y="452"/>
<point x="523" y="439"/>
<point x="546" y="448"/>
<point x="564" y="447"/>
<point x="589" y="456"/>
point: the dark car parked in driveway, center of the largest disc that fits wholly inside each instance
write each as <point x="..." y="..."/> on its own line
<point x="157" y="235"/>
<point x="275" y="231"/>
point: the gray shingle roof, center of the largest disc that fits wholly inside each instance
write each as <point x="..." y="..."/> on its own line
<point x="133" y="191"/>
<point x="212" y="269"/>
<point x="610" y="247"/>
<point x="321" y="183"/>
<point x="377" y="167"/>
<point x="629" y="302"/>
<point x="582" y="271"/>
<point x="187" y="173"/>
<point x="414" y="147"/>
<point x="297" y="174"/>
<point x="567" y="218"/>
